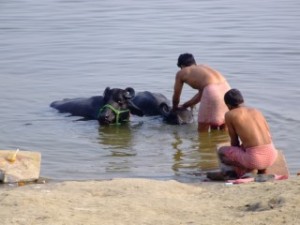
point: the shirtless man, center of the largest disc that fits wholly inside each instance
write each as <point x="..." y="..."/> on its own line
<point x="211" y="86"/>
<point x="251" y="150"/>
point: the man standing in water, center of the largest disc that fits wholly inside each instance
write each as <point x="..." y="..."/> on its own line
<point x="251" y="150"/>
<point x="211" y="86"/>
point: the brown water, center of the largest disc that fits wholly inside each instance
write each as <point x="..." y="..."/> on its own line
<point x="50" y="50"/>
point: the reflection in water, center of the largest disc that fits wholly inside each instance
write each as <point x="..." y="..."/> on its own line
<point x="198" y="153"/>
<point x="208" y="143"/>
<point x="117" y="141"/>
<point x="117" y="138"/>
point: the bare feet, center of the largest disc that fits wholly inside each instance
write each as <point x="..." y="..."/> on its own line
<point x="221" y="176"/>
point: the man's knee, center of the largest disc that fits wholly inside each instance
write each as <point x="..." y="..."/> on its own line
<point x="221" y="150"/>
<point x="220" y="153"/>
<point x="222" y="156"/>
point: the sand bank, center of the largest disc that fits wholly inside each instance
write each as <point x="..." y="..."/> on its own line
<point x="142" y="201"/>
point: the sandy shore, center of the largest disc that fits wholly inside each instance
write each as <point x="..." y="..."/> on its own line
<point x="141" y="201"/>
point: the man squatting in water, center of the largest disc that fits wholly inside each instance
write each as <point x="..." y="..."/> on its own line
<point x="251" y="149"/>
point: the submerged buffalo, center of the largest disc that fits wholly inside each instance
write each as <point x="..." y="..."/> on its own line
<point x="176" y="117"/>
<point x="116" y="105"/>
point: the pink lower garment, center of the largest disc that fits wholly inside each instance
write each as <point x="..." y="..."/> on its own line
<point x="212" y="106"/>
<point x="245" y="160"/>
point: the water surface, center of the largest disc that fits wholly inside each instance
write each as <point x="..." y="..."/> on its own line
<point x="51" y="50"/>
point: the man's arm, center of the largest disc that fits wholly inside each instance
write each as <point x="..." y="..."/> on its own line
<point x="193" y="101"/>
<point x="234" y="139"/>
<point x="177" y="90"/>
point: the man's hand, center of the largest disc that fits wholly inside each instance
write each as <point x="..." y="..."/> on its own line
<point x="178" y="107"/>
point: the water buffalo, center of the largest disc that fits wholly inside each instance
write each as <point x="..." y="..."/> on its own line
<point x="176" y="117"/>
<point x="114" y="106"/>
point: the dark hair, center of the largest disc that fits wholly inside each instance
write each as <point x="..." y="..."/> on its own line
<point x="233" y="97"/>
<point x="186" y="59"/>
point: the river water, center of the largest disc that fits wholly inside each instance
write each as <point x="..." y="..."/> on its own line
<point x="53" y="49"/>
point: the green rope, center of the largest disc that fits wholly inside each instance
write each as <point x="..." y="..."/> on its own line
<point x="117" y="112"/>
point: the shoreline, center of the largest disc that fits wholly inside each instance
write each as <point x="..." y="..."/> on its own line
<point x="147" y="201"/>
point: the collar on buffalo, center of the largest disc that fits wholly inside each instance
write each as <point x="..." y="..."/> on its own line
<point x="117" y="112"/>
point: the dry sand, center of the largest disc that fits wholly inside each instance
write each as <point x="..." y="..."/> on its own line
<point x="142" y="201"/>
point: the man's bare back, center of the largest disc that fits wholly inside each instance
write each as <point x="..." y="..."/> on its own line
<point x="248" y="125"/>
<point x="199" y="76"/>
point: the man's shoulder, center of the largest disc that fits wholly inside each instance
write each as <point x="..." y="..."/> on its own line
<point x="182" y="74"/>
<point x="234" y="113"/>
<point x="253" y="110"/>
<point x="229" y="115"/>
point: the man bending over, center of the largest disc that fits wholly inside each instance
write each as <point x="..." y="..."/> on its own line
<point x="211" y="87"/>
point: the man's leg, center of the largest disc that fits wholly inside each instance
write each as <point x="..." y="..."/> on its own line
<point x="223" y="157"/>
<point x="231" y="156"/>
<point x="222" y="127"/>
<point x="262" y="171"/>
<point x="203" y="127"/>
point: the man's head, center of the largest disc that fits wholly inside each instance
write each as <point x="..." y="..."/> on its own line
<point x="233" y="98"/>
<point x="185" y="59"/>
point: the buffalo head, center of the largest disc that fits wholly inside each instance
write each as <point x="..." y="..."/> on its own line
<point x="176" y="117"/>
<point x="117" y="106"/>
